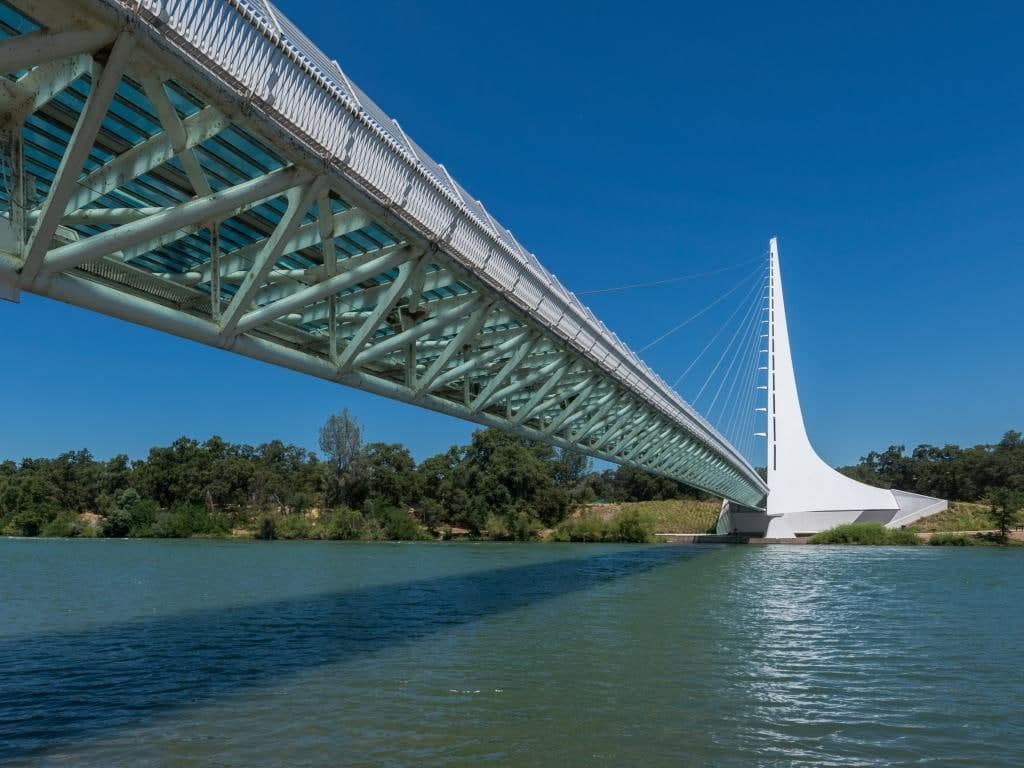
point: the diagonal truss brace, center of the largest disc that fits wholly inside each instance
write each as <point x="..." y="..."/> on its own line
<point x="79" y="146"/>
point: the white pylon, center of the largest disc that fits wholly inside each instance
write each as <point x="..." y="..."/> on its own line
<point x="806" y="495"/>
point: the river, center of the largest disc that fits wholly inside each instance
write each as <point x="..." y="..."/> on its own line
<point x="229" y="653"/>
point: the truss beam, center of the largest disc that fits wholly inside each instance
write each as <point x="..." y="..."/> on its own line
<point x="232" y="122"/>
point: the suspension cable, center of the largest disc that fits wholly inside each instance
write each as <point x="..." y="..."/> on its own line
<point x="749" y="324"/>
<point x="739" y="305"/>
<point x="742" y="422"/>
<point x="668" y="281"/>
<point x="721" y="358"/>
<point x="741" y="371"/>
<point x="693" y="317"/>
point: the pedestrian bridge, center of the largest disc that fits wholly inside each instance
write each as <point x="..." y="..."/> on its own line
<point x="203" y="169"/>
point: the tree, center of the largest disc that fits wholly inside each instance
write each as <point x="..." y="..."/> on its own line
<point x="569" y="470"/>
<point x="503" y="475"/>
<point x="340" y="440"/>
<point x="382" y="472"/>
<point x="1006" y="505"/>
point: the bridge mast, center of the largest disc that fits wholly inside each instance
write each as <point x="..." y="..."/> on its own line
<point x="806" y="495"/>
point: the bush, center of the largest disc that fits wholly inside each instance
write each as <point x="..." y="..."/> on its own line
<point x="627" y="527"/>
<point x="129" y="515"/>
<point x="170" y="525"/>
<point x="431" y="514"/>
<point x="497" y="528"/>
<point x="581" y="529"/>
<point x="525" y="527"/>
<point x="902" y="538"/>
<point x="522" y="526"/>
<point x="345" y="524"/>
<point x="951" y="540"/>
<point x="117" y="524"/>
<point x="184" y="520"/>
<point x="865" y="533"/>
<point x="30" y="522"/>
<point x="292" y="527"/>
<point x="267" y="530"/>
<point x="399" y="525"/>
<point x="630" y="527"/>
<point x="67" y="524"/>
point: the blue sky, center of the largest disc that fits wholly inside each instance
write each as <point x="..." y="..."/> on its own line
<point x="881" y="142"/>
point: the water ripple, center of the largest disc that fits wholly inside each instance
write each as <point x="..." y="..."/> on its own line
<point x="307" y="654"/>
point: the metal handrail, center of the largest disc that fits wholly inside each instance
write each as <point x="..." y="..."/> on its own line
<point x="261" y="62"/>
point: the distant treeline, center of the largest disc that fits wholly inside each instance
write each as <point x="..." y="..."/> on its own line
<point x="500" y="484"/>
<point x="949" y="472"/>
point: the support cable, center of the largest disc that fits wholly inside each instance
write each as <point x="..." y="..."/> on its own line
<point x="749" y="425"/>
<point x="714" y="370"/>
<point x="733" y="419"/>
<point x="722" y="327"/>
<point x="693" y="317"/>
<point x="668" y="281"/>
<point x="744" y="420"/>
<point x="749" y="325"/>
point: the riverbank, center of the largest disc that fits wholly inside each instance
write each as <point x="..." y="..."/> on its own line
<point x="875" y="534"/>
<point x="672" y="521"/>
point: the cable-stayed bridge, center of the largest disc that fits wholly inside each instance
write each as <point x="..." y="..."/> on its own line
<point x="203" y="169"/>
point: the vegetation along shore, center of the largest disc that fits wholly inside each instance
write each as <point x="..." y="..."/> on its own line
<point x="499" y="486"/>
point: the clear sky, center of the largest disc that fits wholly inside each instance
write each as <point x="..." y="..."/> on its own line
<point x="882" y="142"/>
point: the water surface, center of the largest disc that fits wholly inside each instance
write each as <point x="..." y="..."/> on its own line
<point x="206" y="653"/>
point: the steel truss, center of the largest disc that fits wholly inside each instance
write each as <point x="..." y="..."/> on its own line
<point x="199" y="168"/>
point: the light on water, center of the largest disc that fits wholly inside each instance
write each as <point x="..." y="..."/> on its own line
<point x="311" y="653"/>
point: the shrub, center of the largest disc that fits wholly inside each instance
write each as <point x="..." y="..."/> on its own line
<point x="902" y="537"/>
<point x="291" y="527"/>
<point x="497" y="528"/>
<point x="64" y="525"/>
<point x="399" y="525"/>
<point x="630" y="527"/>
<point x="525" y="527"/>
<point x="266" y="529"/>
<point x="431" y="514"/>
<point x="872" y="533"/>
<point x="169" y="525"/>
<point x="951" y="540"/>
<point x="129" y="515"/>
<point x="345" y="524"/>
<point x="581" y="529"/>
<point x="29" y="522"/>
<point x="117" y="524"/>
<point x="181" y="521"/>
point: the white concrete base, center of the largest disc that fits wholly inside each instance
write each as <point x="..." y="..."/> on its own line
<point x="755" y="522"/>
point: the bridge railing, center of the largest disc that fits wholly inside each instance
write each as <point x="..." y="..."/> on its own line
<point x="253" y="49"/>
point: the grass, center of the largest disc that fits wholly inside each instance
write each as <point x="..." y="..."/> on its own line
<point x="865" y="533"/>
<point x="961" y="516"/>
<point x="671" y="516"/>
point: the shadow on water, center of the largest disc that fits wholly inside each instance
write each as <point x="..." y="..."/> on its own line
<point x="56" y="689"/>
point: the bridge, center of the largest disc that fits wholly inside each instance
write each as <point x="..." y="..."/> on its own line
<point x="205" y="170"/>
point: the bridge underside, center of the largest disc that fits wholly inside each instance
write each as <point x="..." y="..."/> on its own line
<point x="145" y="180"/>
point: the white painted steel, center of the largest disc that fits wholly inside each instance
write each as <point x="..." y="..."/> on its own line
<point x="256" y="71"/>
<point x="806" y="494"/>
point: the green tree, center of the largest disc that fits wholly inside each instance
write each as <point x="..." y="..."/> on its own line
<point x="129" y="515"/>
<point x="1006" y="506"/>
<point x="382" y="472"/>
<point x="503" y="475"/>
